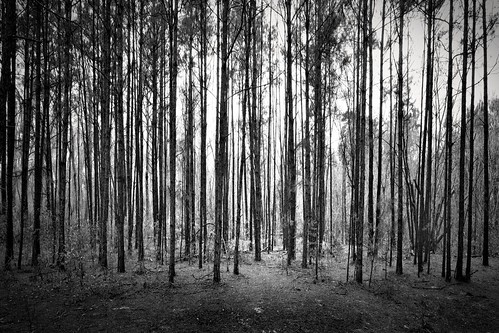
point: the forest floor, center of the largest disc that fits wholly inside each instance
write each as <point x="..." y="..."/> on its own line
<point x="265" y="297"/>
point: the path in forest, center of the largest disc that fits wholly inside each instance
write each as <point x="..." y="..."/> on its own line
<point x="264" y="298"/>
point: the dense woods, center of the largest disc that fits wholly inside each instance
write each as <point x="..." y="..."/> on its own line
<point x="135" y="131"/>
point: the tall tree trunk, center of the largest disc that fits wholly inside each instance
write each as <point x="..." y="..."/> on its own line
<point x="425" y="223"/>
<point x="380" y="130"/>
<point x="269" y="141"/>
<point x="105" y="174"/>
<point x="255" y="139"/>
<point x="203" y="94"/>
<point x="359" y="228"/>
<point x="173" y="132"/>
<point x="4" y="88"/>
<point x="307" y="204"/>
<point x="242" y="155"/>
<point x="370" y="186"/>
<point x="139" y="149"/>
<point x="472" y="143"/>
<point x="462" y="152"/>
<point x="154" y="136"/>
<point x="221" y="153"/>
<point x="27" y="115"/>
<point x="50" y="203"/>
<point x="400" y="120"/>
<point x="448" y="179"/>
<point x="120" y="206"/>
<point x="190" y="178"/>
<point x="161" y="148"/>
<point x="486" y="191"/>
<point x="65" y="118"/>
<point x="8" y="77"/>
<point x="95" y="114"/>
<point x="392" y="157"/>
<point x="39" y="138"/>
<point x="130" y="117"/>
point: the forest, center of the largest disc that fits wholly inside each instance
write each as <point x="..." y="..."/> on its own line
<point x="249" y="165"/>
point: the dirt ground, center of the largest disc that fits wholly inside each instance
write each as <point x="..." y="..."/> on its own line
<point x="265" y="297"/>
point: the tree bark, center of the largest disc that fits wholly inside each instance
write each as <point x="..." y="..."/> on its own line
<point x="400" y="120"/>
<point x="105" y="151"/>
<point x="39" y="138"/>
<point x="462" y="152"/>
<point x="449" y="143"/>
<point x="221" y="154"/>
<point x="380" y="131"/>
<point x="8" y="77"/>
<point x="472" y="143"/>
<point x="27" y="115"/>
<point x="486" y="192"/>
<point x="120" y="206"/>
<point x="173" y="132"/>
<point x="202" y="176"/>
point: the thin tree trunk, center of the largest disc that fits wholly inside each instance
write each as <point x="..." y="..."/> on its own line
<point x="154" y="137"/>
<point x="392" y="156"/>
<point x="486" y="192"/>
<point x="370" y="191"/>
<point x="448" y="180"/>
<point x="129" y="123"/>
<point x="203" y="93"/>
<point x="64" y="135"/>
<point x="120" y="206"/>
<point x="221" y="159"/>
<point x="105" y="174"/>
<point x="4" y="89"/>
<point x="27" y="115"/>
<point x="95" y="113"/>
<point x="380" y="131"/>
<point x="39" y="138"/>
<point x="472" y="142"/>
<point x="400" y="119"/>
<point x="462" y="153"/>
<point x="255" y="139"/>
<point x="243" y="136"/>
<point x="307" y="181"/>
<point x="361" y="153"/>
<point x="173" y="132"/>
<point x="426" y="222"/>
<point x="8" y="76"/>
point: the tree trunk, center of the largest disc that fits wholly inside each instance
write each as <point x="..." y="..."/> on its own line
<point x="426" y="221"/>
<point x="65" y="118"/>
<point x="221" y="153"/>
<point x="203" y="94"/>
<point x="8" y="77"/>
<point x="243" y="136"/>
<point x="370" y="185"/>
<point x="120" y="206"/>
<point x="462" y="152"/>
<point x="359" y="228"/>
<point x="380" y="131"/>
<point x="173" y="132"/>
<point x="472" y="142"/>
<point x="39" y="138"/>
<point x="105" y="174"/>
<point x="154" y="137"/>
<point x="27" y="115"/>
<point x="400" y="120"/>
<point x="448" y="179"/>
<point x="307" y="204"/>
<point x="255" y="141"/>
<point x="486" y="192"/>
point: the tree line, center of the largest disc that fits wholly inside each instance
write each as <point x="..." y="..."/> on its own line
<point x="198" y="129"/>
